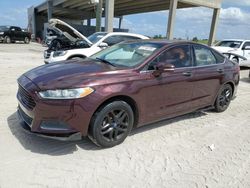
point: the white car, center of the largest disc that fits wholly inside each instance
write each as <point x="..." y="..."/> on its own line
<point x="236" y="50"/>
<point x="75" y="45"/>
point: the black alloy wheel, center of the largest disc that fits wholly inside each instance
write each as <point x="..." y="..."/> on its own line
<point x="224" y="98"/>
<point x="112" y="124"/>
<point x="115" y="125"/>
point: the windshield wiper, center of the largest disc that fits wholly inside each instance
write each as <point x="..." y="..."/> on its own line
<point x="105" y="61"/>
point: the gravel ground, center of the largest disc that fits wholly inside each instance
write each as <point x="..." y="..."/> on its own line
<point x="202" y="149"/>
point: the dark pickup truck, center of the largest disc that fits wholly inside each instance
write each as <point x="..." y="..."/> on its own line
<point x="10" y="34"/>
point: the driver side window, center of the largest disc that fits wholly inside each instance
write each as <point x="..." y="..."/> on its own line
<point x="178" y="56"/>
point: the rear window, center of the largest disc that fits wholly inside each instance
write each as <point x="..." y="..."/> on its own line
<point x="4" y="28"/>
<point x="231" y="44"/>
<point x="219" y="57"/>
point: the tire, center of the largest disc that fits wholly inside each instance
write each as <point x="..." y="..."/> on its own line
<point x="7" y="39"/>
<point x="111" y="124"/>
<point x="26" y="40"/>
<point x="235" y="59"/>
<point x="224" y="98"/>
<point x="75" y="58"/>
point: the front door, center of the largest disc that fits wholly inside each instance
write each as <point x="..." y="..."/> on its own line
<point x="170" y="93"/>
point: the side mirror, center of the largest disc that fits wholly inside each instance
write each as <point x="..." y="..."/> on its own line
<point x="103" y="45"/>
<point x="163" y="67"/>
<point x="246" y="48"/>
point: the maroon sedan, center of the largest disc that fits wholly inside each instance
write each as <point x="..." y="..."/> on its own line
<point x="128" y="85"/>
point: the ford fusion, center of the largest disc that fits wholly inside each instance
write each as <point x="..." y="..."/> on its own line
<point x="123" y="87"/>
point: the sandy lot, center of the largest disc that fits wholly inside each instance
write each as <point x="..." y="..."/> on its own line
<point x="173" y="153"/>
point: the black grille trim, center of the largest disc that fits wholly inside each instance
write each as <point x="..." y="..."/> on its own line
<point x="25" y="97"/>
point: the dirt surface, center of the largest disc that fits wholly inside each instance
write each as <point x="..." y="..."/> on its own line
<point x="202" y="149"/>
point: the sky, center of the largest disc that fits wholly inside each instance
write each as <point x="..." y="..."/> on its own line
<point x="234" y="20"/>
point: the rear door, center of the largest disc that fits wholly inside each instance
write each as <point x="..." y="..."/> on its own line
<point x="19" y="33"/>
<point x="13" y="33"/>
<point x="208" y="74"/>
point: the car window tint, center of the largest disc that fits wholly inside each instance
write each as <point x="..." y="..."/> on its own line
<point x="178" y="56"/>
<point x="219" y="57"/>
<point x="113" y="40"/>
<point x="203" y="56"/>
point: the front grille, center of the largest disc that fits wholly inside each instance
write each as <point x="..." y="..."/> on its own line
<point x="28" y="120"/>
<point x="26" y="99"/>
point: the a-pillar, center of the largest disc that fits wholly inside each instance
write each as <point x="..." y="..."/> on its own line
<point x="214" y="24"/>
<point x="171" y="19"/>
<point x="109" y="15"/>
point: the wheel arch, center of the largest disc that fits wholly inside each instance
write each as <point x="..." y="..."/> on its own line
<point x="76" y="55"/>
<point x="129" y="100"/>
<point x="228" y="82"/>
<point x="231" y="84"/>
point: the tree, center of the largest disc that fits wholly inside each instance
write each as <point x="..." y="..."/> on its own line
<point x="195" y="39"/>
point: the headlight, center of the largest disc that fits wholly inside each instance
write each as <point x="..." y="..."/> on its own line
<point x="66" y="93"/>
<point x="1" y="33"/>
<point x="59" y="53"/>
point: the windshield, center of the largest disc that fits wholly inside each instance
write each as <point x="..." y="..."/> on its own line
<point x="128" y="54"/>
<point x="231" y="44"/>
<point x="96" y="37"/>
<point x="4" y="28"/>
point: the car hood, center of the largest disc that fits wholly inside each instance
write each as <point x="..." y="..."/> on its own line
<point x="69" y="32"/>
<point x="222" y="49"/>
<point x="70" y="74"/>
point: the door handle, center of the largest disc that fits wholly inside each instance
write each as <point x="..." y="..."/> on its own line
<point x="220" y="70"/>
<point x="187" y="73"/>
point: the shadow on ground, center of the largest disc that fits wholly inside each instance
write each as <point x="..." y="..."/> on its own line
<point x="247" y="80"/>
<point x="52" y="147"/>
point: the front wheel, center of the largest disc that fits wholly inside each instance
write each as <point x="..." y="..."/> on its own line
<point x="26" y="40"/>
<point x="224" y="98"/>
<point x="7" y="39"/>
<point x="111" y="124"/>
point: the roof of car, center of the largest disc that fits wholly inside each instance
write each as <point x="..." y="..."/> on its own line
<point x="165" y="41"/>
<point x="239" y="40"/>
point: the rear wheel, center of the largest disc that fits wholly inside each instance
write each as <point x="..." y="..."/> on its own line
<point x="224" y="98"/>
<point x="26" y="40"/>
<point x="111" y="124"/>
<point x="76" y="58"/>
<point x="235" y="59"/>
<point x="7" y="39"/>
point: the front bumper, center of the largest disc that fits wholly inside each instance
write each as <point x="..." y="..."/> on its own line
<point x="49" y="57"/>
<point x="26" y="127"/>
<point x="53" y="118"/>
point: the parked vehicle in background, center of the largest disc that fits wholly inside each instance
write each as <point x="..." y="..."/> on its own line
<point x="73" y="44"/>
<point x="236" y="50"/>
<point x="9" y="34"/>
<point x="51" y="34"/>
<point x="125" y="86"/>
